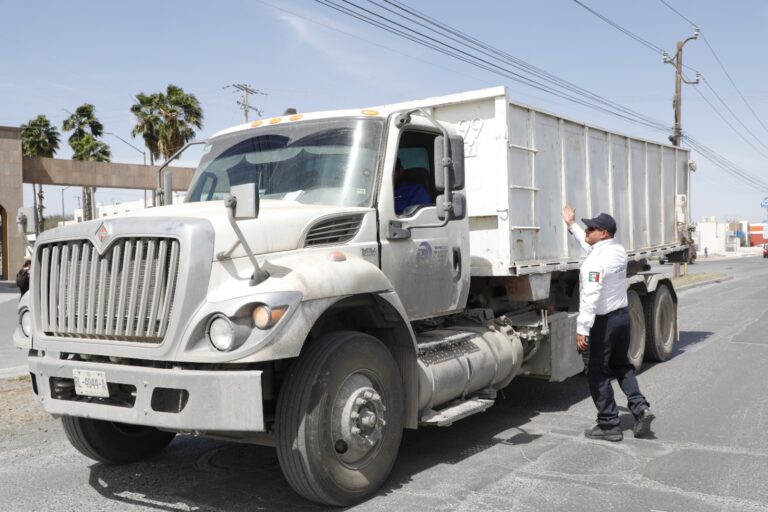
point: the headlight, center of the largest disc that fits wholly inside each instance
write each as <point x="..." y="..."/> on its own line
<point x="265" y="317"/>
<point x="25" y="322"/>
<point x="221" y="333"/>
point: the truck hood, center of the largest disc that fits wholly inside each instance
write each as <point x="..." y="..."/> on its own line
<point x="281" y="226"/>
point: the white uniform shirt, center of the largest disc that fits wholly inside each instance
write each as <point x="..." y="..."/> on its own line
<point x="602" y="280"/>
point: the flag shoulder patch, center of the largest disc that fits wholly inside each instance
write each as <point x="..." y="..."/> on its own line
<point x="594" y="277"/>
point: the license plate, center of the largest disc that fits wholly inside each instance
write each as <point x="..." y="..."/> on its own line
<point x="90" y="383"/>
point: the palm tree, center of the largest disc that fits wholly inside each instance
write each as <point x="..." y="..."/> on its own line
<point x="167" y="120"/>
<point x="147" y="123"/>
<point x="39" y="138"/>
<point x="84" y="141"/>
<point x="181" y="114"/>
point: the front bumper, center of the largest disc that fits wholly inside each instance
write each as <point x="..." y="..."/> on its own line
<point x="214" y="401"/>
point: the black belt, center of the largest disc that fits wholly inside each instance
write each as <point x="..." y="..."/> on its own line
<point x="619" y="311"/>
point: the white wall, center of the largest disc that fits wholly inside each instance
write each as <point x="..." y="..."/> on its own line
<point x="712" y="236"/>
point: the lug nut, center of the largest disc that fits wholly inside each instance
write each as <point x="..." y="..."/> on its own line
<point x="368" y="395"/>
<point x="359" y="401"/>
<point x="354" y="415"/>
<point x="355" y="430"/>
<point x="376" y="397"/>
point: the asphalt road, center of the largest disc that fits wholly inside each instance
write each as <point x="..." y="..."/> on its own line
<point x="12" y="360"/>
<point x="527" y="453"/>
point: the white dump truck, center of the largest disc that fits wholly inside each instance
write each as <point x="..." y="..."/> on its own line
<point x="295" y="300"/>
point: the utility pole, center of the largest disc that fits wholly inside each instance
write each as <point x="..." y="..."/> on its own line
<point x="246" y="90"/>
<point x="677" y="103"/>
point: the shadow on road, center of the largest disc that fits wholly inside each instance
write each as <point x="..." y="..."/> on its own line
<point x="204" y="475"/>
<point x="689" y="339"/>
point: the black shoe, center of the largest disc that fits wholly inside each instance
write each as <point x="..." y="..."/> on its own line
<point x="607" y="434"/>
<point x="643" y="423"/>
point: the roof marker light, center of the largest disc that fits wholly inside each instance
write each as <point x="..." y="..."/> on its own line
<point x="295" y="117"/>
<point x="369" y="112"/>
<point x="256" y="124"/>
<point x="275" y="120"/>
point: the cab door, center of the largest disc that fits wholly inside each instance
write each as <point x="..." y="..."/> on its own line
<point x="430" y="268"/>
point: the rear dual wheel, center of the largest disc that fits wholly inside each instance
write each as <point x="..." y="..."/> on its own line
<point x="661" y="324"/>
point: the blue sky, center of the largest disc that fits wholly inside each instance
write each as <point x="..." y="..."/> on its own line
<point x="57" y="55"/>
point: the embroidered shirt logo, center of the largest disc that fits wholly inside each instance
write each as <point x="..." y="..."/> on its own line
<point x="594" y="277"/>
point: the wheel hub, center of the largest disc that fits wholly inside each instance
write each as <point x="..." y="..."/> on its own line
<point x="357" y="421"/>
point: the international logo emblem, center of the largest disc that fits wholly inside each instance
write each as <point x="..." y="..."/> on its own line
<point x="102" y="233"/>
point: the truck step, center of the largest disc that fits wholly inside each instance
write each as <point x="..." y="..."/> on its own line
<point x="446" y="417"/>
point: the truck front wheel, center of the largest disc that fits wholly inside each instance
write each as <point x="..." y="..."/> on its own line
<point x="114" y="443"/>
<point x="660" y="324"/>
<point x="339" y="419"/>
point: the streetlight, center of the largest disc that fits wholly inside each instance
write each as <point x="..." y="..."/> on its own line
<point x="62" y="201"/>
<point x="143" y="153"/>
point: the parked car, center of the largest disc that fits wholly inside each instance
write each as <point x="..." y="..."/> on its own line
<point x="765" y="251"/>
<point x="692" y="255"/>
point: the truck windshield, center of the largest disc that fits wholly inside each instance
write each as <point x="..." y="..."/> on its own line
<point x="316" y="162"/>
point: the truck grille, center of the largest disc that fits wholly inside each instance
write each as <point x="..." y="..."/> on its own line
<point x="125" y="294"/>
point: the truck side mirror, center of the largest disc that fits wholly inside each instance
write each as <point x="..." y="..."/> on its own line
<point x="457" y="163"/>
<point x="457" y="209"/>
<point x="247" y="196"/>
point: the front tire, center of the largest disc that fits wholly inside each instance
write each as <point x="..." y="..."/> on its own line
<point x="339" y="419"/>
<point x="660" y="324"/>
<point x="114" y="443"/>
<point x="636" y="330"/>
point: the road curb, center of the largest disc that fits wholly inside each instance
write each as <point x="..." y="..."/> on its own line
<point x="703" y="283"/>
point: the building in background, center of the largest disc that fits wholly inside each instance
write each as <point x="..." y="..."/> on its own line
<point x="714" y="237"/>
<point x="757" y="234"/>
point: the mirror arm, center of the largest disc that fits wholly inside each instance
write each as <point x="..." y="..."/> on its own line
<point x="259" y="275"/>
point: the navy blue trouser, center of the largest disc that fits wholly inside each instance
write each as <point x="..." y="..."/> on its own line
<point x="606" y="357"/>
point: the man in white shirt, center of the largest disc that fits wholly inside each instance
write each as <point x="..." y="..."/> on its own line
<point x="602" y="327"/>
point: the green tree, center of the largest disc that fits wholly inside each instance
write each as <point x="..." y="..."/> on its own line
<point x="147" y="123"/>
<point x="86" y="130"/>
<point x="166" y="120"/>
<point x="39" y="138"/>
<point x="84" y="141"/>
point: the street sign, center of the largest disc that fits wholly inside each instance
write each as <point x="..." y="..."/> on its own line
<point x="764" y="204"/>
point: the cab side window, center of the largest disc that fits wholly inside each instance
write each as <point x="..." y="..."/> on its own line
<point x="413" y="177"/>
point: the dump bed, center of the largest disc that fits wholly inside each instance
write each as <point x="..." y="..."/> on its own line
<point x="524" y="164"/>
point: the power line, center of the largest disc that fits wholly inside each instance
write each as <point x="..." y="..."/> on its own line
<point x="618" y="27"/>
<point x="706" y="82"/>
<point x="711" y="155"/>
<point x="737" y="132"/>
<point x="726" y="165"/>
<point x="465" y="48"/>
<point x="722" y="66"/>
<point x="520" y="64"/>
<point x="439" y="45"/>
